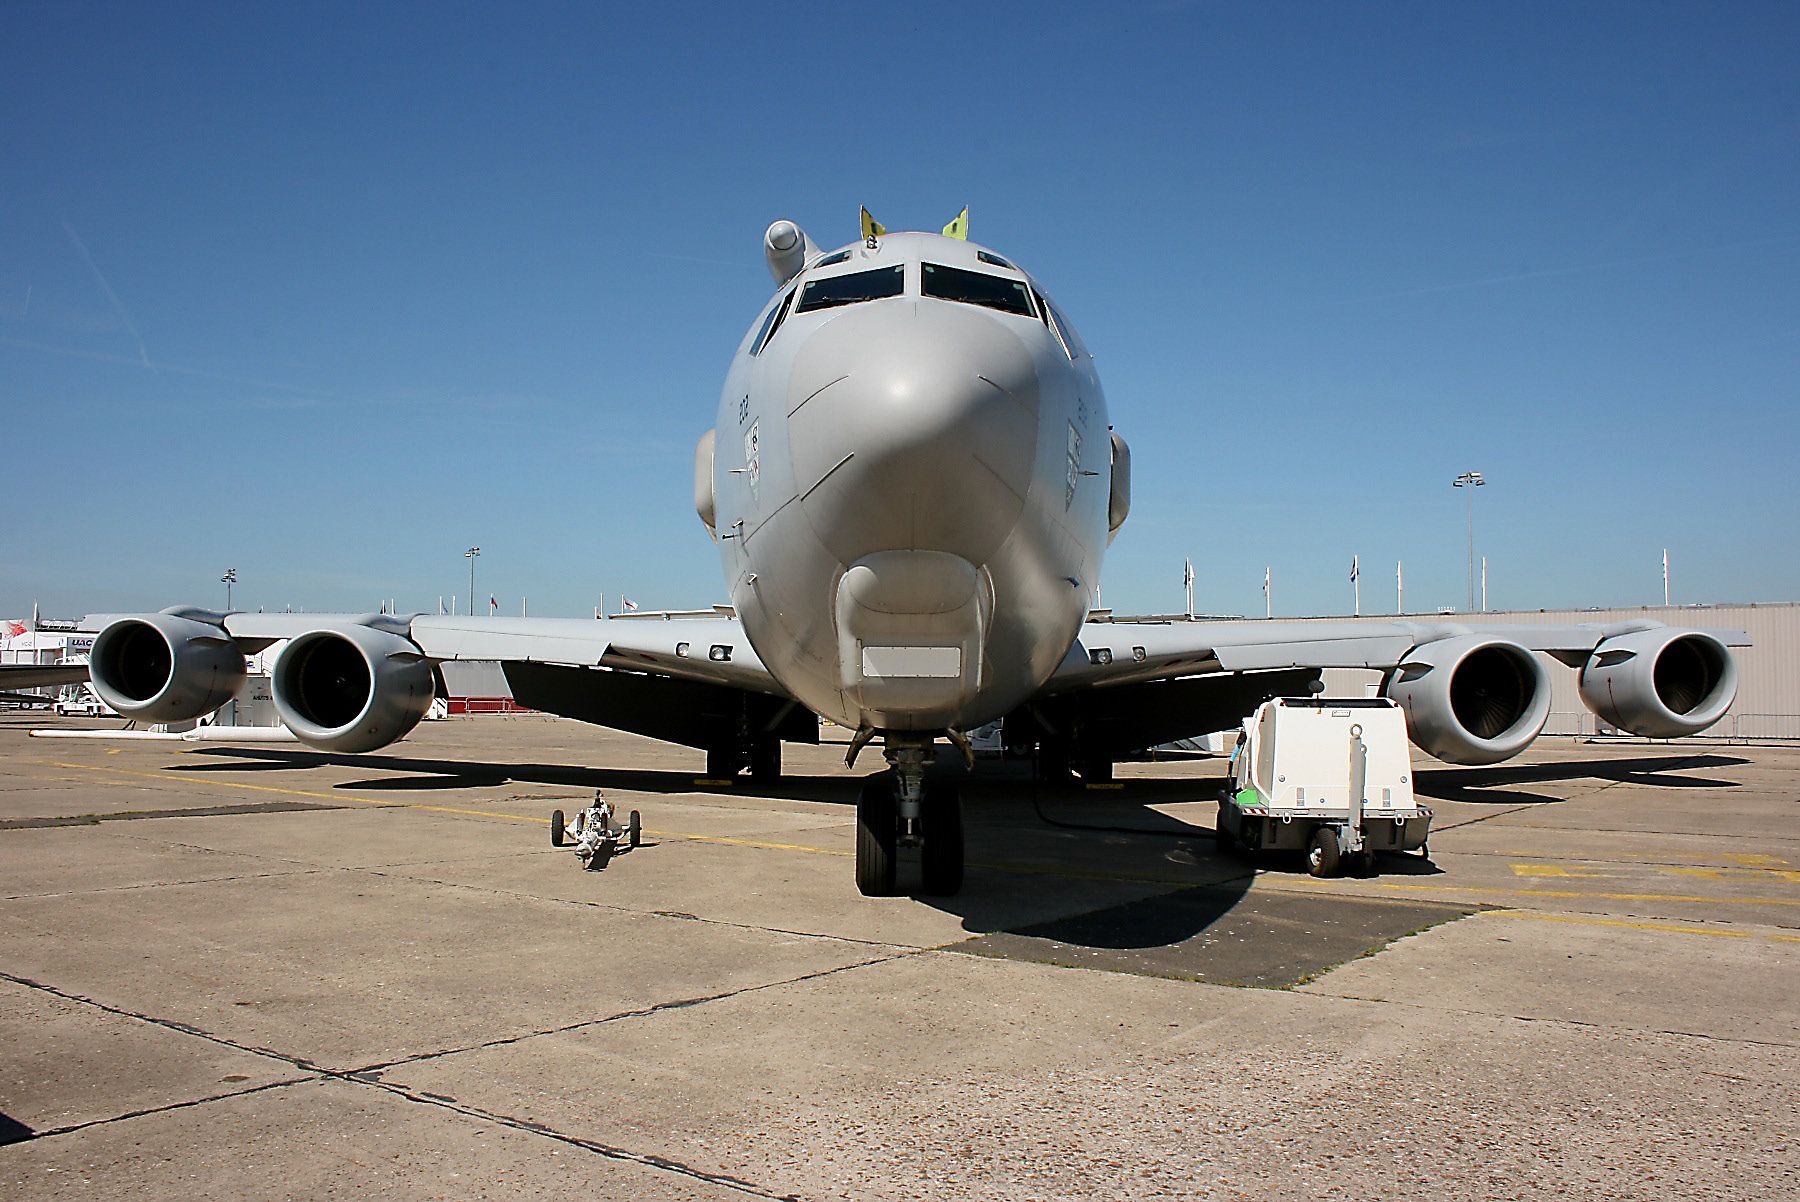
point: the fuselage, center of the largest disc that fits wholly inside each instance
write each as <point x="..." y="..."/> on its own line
<point x="910" y="478"/>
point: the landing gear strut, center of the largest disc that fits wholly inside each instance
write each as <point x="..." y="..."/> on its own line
<point x="902" y="809"/>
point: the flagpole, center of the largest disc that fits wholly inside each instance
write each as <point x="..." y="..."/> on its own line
<point x="1356" y="586"/>
<point x="1268" y="596"/>
<point x="1665" y="578"/>
<point x="1484" y="584"/>
<point x="1399" y="586"/>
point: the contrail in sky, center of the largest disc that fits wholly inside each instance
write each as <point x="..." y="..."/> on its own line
<point x="118" y="307"/>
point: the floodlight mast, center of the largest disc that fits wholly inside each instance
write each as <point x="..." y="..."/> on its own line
<point x="228" y="579"/>
<point x="471" y="555"/>
<point x="1470" y="481"/>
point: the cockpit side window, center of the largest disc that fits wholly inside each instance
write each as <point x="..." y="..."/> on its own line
<point x="852" y="289"/>
<point x="1077" y="349"/>
<point x="770" y="324"/>
<point x="1055" y="326"/>
<point x="977" y="288"/>
<point x="988" y="256"/>
<point x="842" y="256"/>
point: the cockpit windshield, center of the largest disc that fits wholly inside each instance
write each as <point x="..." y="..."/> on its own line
<point x="977" y="288"/>
<point x="851" y="289"/>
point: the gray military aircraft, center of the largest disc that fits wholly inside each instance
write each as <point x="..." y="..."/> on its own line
<point x="911" y="481"/>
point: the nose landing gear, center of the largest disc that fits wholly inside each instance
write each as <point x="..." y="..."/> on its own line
<point x="900" y="809"/>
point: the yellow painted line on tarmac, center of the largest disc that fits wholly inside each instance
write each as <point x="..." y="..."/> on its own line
<point x="1583" y="894"/>
<point x="390" y="803"/>
<point x="1662" y="927"/>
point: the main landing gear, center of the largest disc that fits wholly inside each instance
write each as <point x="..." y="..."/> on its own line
<point x="900" y="809"/>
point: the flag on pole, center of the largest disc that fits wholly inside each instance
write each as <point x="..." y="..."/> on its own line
<point x="1355" y="565"/>
<point x="493" y="604"/>
<point x="1187" y="574"/>
<point x="630" y="605"/>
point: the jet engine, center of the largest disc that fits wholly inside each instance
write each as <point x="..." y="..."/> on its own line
<point x="165" y="667"/>
<point x="1118" y="502"/>
<point x="351" y="688"/>
<point x="1471" y="699"/>
<point x="1660" y="683"/>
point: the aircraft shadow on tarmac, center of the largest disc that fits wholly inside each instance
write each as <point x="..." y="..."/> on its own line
<point x="1053" y="865"/>
<point x="12" y="1131"/>
<point x="431" y="774"/>
<point x="1495" y="785"/>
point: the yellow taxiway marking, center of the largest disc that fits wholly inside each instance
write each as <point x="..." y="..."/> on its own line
<point x="1665" y="928"/>
<point x="1554" y="870"/>
<point x="1595" y="896"/>
<point x="1590" y="871"/>
<point x="1060" y="870"/>
<point x="390" y="803"/>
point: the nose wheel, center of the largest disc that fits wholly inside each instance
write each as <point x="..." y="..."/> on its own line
<point x="877" y="836"/>
<point x="902" y="809"/>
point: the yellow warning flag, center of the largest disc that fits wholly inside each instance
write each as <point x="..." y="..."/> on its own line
<point x="959" y="226"/>
<point x="871" y="228"/>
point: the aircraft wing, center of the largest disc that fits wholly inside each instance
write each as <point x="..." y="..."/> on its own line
<point x="709" y="650"/>
<point x="1474" y="693"/>
<point x="1115" y="653"/>
<point x="39" y="676"/>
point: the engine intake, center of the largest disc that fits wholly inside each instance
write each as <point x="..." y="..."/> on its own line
<point x="1470" y="699"/>
<point x="1662" y="683"/>
<point x="351" y="688"/>
<point x="165" y="668"/>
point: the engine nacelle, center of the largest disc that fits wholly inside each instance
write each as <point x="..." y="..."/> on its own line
<point x="1472" y="699"/>
<point x="1118" y="501"/>
<point x="1660" y="684"/>
<point x="351" y="688"/>
<point x="165" y="668"/>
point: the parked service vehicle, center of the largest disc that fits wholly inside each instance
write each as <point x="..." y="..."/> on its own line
<point x="79" y="701"/>
<point x="1328" y="776"/>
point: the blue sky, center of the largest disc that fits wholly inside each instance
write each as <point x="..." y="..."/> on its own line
<point x="328" y="293"/>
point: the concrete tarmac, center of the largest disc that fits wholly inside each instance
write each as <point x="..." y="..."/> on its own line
<point x="264" y="972"/>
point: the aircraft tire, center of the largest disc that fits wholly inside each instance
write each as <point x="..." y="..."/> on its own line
<point x="1223" y="834"/>
<point x="1323" y="854"/>
<point x="877" y="836"/>
<point x="941" y="857"/>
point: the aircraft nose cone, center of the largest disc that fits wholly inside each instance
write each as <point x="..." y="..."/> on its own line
<point x="913" y="426"/>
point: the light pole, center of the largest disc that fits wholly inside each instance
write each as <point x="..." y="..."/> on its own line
<point x="1470" y="481"/>
<point x="228" y="579"/>
<point x="471" y="555"/>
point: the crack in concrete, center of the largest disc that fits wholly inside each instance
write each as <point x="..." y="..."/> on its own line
<point x="371" y="1073"/>
<point x="369" y="1077"/>
<point x="72" y="1128"/>
<point x="609" y="1151"/>
<point x="211" y="880"/>
<point x="220" y="811"/>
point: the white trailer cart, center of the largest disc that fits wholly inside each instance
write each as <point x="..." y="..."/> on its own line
<point x="1330" y="777"/>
